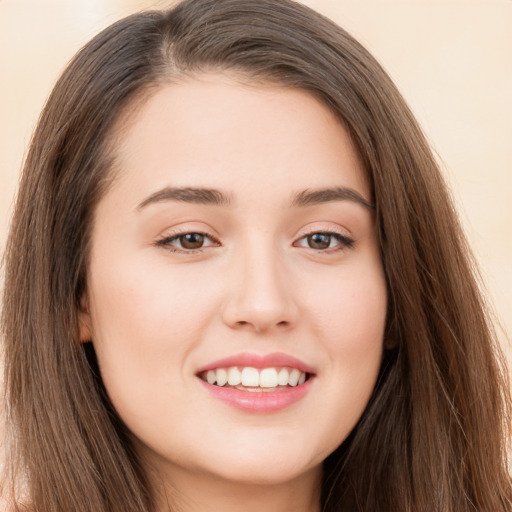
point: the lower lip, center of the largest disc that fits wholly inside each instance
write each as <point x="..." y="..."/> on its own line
<point x="259" y="401"/>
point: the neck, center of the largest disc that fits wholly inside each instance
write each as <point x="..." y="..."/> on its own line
<point x="185" y="492"/>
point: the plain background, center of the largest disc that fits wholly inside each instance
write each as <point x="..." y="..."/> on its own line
<point x="452" y="60"/>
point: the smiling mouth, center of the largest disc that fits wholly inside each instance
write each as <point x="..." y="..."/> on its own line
<point x="253" y="379"/>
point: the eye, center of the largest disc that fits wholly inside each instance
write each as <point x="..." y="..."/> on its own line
<point x="187" y="242"/>
<point x="322" y="241"/>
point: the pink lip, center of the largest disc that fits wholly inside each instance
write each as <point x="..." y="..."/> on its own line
<point x="259" y="401"/>
<point x="276" y="359"/>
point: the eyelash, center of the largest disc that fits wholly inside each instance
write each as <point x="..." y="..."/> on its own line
<point x="344" y="242"/>
<point x="166" y="242"/>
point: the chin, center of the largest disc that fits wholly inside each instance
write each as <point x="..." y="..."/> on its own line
<point x="268" y="465"/>
<point x="264" y="472"/>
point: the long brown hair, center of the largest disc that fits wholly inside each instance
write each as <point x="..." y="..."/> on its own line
<point x="432" y="438"/>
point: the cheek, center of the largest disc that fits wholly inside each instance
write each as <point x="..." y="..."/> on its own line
<point x="353" y="333"/>
<point x="349" y="320"/>
<point x="350" y="310"/>
<point x="142" y="328"/>
<point x="146" y="302"/>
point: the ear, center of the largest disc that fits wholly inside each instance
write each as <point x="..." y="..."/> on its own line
<point x="84" y="320"/>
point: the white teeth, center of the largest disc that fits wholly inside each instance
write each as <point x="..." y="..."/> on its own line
<point x="282" y="378"/>
<point x="234" y="376"/>
<point x="211" y="377"/>
<point x="293" y="379"/>
<point x="222" y="377"/>
<point x="250" y="377"/>
<point x="268" y="378"/>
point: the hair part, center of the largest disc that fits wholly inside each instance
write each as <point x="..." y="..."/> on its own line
<point x="433" y="437"/>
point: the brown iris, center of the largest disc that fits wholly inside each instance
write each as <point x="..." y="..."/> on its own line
<point x="319" y="240"/>
<point x="192" y="240"/>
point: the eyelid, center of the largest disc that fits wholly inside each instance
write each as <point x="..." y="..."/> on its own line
<point x="165" y="241"/>
<point x="170" y="236"/>
<point x="345" y="241"/>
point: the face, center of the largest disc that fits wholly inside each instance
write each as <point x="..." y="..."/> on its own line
<point x="236" y="244"/>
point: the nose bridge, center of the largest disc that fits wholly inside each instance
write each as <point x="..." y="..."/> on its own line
<point x="259" y="296"/>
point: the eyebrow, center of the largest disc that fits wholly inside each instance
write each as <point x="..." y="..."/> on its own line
<point x="187" y="195"/>
<point x="208" y="196"/>
<point x="326" y="195"/>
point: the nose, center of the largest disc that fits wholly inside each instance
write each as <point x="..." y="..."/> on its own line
<point x="260" y="298"/>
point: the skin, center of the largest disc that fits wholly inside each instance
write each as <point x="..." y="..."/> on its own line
<point x="157" y="312"/>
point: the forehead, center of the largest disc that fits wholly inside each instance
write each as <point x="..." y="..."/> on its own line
<point x="214" y="131"/>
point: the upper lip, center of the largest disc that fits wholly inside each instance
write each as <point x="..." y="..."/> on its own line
<point x="275" y="359"/>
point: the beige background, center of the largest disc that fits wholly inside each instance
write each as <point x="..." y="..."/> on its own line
<point x="452" y="59"/>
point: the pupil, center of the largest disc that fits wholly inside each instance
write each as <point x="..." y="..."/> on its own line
<point x="192" y="241"/>
<point x="319" y="240"/>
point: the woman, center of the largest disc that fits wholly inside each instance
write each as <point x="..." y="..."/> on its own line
<point x="235" y="279"/>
